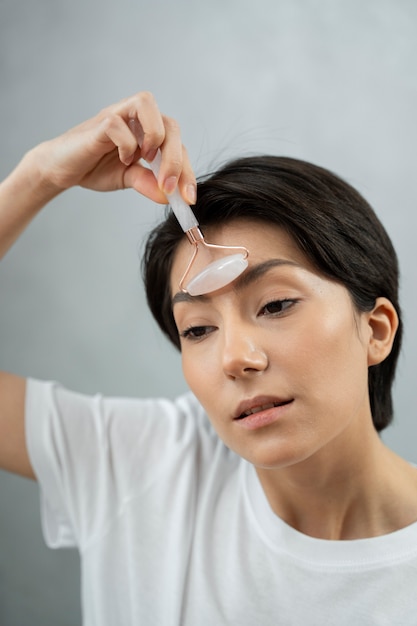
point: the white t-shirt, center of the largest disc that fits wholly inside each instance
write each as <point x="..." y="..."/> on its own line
<point x="174" y="529"/>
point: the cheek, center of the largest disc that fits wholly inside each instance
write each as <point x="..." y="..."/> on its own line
<point x="195" y="371"/>
<point x="202" y="373"/>
<point x="341" y="374"/>
<point x="189" y="371"/>
<point x="330" y="349"/>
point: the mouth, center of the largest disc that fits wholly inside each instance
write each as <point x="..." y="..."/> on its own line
<point x="253" y="408"/>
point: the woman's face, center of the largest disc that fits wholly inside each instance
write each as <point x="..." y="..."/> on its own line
<point x="279" y="358"/>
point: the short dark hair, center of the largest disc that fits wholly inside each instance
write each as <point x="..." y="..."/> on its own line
<point x="328" y="219"/>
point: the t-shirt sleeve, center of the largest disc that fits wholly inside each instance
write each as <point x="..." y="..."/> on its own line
<point x="92" y="454"/>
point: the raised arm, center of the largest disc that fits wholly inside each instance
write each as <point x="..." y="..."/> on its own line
<point x="100" y="154"/>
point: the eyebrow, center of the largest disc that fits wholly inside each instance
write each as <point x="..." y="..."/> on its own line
<point x="248" y="277"/>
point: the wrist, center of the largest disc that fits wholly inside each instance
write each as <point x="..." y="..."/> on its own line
<point x="35" y="175"/>
<point x="22" y="195"/>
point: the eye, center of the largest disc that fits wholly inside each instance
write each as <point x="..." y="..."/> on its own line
<point x="194" y="333"/>
<point x="277" y="307"/>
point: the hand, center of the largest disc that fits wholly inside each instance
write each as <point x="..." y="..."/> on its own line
<point x="103" y="152"/>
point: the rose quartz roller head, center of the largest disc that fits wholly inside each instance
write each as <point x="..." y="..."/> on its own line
<point x="223" y="263"/>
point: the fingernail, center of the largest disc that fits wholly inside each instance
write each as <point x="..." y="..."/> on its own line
<point x="170" y="184"/>
<point x="191" y="193"/>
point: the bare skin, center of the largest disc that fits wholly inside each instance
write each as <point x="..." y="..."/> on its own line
<point x="100" y="154"/>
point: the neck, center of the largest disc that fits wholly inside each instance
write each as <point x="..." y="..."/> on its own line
<point x="345" y="494"/>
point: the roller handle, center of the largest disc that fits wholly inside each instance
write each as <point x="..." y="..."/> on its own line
<point x="182" y="211"/>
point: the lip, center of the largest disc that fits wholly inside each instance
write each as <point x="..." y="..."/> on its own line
<point x="263" y="417"/>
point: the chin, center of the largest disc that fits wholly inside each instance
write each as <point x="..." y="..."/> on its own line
<point x="274" y="457"/>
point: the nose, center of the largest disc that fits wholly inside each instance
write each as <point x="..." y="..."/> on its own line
<point x="243" y="356"/>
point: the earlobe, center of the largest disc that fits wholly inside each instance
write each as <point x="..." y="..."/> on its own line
<point x="383" y="324"/>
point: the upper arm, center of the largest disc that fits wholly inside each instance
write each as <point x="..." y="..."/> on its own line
<point x="14" y="456"/>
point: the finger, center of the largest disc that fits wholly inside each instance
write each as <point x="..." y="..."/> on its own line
<point x="153" y="131"/>
<point x="142" y="180"/>
<point x="187" y="182"/>
<point x="118" y="132"/>
<point x="172" y="157"/>
<point x="142" y="113"/>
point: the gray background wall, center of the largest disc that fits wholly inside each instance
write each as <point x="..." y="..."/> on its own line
<point x="330" y="81"/>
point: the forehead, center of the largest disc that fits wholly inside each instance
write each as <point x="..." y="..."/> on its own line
<point x="264" y="241"/>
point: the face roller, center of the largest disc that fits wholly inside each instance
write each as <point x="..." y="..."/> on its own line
<point x="222" y="263"/>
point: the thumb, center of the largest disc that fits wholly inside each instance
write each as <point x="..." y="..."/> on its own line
<point x="142" y="180"/>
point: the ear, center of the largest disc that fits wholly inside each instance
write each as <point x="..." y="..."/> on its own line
<point x="383" y="324"/>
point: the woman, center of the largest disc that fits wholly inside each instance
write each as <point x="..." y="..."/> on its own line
<point x="267" y="496"/>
